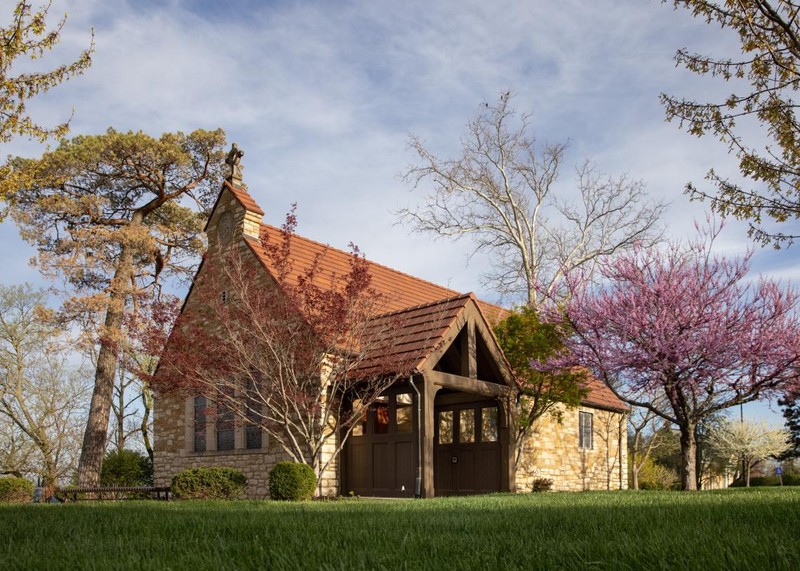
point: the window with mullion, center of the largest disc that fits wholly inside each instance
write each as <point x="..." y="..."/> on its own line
<point x="585" y="429"/>
<point x="200" y="419"/>
<point x="226" y="432"/>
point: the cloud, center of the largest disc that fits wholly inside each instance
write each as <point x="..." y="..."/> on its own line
<point x="322" y="97"/>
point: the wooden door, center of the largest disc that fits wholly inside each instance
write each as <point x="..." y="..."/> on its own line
<point x="379" y="457"/>
<point x="467" y="449"/>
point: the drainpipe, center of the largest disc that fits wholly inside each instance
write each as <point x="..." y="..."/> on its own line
<point x="418" y="482"/>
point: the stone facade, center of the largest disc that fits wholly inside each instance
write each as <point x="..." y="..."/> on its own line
<point x="173" y="427"/>
<point x="553" y="451"/>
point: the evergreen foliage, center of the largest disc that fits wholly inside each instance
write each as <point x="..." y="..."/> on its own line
<point x="16" y="490"/>
<point x="292" y="481"/>
<point x="126" y="468"/>
<point x="215" y="483"/>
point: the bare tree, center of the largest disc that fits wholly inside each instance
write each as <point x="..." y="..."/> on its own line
<point x="41" y="393"/>
<point x="502" y="192"/>
<point x="644" y="436"/>
<point x="126" y="410"/>
<point x="16" y="450"/>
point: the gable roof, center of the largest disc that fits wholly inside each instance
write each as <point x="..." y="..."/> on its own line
<point x="404" y="339"/>
<point x="600" y="396"/>
<point x="397" y="289"/>
<point x="418" y="314"/>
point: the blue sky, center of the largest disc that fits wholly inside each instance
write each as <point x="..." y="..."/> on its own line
<point x="322" y="97"/>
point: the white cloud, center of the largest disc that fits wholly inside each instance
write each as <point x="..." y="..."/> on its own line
<point x="322" y="97"/>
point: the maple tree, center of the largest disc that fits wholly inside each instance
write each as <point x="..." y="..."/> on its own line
<point x="282" y="353"/>
<point x="146" y="328"/>
<point x="112" y="216"/>
<point x="687" y="324"/>
<point x="758" y="121"/>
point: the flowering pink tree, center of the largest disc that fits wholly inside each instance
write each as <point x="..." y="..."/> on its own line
<point x="689" y="325"/>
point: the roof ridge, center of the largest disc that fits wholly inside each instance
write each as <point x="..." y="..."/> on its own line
<point x="240" y="193"/>
<point x="263" y="224"/>
<point x="427" y="304"/>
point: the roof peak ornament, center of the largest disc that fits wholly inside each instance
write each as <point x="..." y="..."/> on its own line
<point x="233" y="160"/>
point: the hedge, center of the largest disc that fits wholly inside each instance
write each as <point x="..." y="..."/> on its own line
<point x="126" y="468"/>
<point x="216" y="483"/>
<point x="292" y="481"/>
<point x="16" y="490"/>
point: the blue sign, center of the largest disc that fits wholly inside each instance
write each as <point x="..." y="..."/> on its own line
<point x="778" y="471"/>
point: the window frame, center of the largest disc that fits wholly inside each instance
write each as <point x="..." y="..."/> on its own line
<point x="585" y="430"/>
<point x="200" y="423"/>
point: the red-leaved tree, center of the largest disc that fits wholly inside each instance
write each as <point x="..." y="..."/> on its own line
<point x="147" y="327"/>
<point x="687" y="324"/>
<point x="281" y="350"/>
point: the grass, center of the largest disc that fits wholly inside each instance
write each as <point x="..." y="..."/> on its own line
<point x="729" y="529"/>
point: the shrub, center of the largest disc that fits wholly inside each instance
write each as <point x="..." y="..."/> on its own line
<point x="654" y="476"/>
<point x="16" y="490"/>
<point x="542" y="485"/>
<point x="126" y="468"/>
<point x="758" y="481"/>
<point x="218" y="483"/>
<point x="292" y="481"/>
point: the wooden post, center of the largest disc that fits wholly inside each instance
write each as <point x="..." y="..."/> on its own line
<point x="428" y="424"/>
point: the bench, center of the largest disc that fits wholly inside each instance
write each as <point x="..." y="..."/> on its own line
<point x="78" y="493"/>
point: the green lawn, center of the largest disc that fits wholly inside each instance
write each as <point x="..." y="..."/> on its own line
<point x="730" y="529"/>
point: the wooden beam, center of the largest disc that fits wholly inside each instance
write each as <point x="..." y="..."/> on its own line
<point x="449" y="381"/>
<point x="428" y="423"/>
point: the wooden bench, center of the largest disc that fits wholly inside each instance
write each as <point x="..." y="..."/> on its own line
<point x="78" y="493"/>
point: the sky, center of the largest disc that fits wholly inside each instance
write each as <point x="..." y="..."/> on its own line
<point x="322" y="96"/>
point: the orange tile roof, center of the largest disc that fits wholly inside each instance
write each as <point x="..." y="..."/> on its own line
<point x="243" y="197"/>
<point x="397" y="289"/>
<point x="601" y="396"/>
<point x="418" y="312"/>
<point x="400" y="341"/>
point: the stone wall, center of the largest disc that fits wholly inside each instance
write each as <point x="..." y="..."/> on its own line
<point x="174" y="441"/>
<point x="552" y="451"/>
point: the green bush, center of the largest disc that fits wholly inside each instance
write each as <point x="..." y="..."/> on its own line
<point x="126" y="468"/>
<point x="16" y="490"/>
<point x="758" y="481"/>
<point x="292" y="481"/>
<point x="654" y="476"/>
<point x="218" y="483"/>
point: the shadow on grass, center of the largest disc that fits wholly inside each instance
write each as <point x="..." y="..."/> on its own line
<point x="737" y="529"/>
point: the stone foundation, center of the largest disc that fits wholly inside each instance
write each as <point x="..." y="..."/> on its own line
<point x="173" y="431"/>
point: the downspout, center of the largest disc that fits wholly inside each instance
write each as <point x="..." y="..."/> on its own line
<point x="622" y="419"/>
<point x="418" y="482"/>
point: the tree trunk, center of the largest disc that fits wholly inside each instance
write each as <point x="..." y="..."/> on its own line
<point x="688" y="458"/>
<point x="698" y="464"/>
<point x="634" y="475"/>
<point x="94" y="438"/>
<point x="147" y="404"/>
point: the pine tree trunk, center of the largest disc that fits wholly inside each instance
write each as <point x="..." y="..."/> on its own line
<point x="96" y="434"/>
